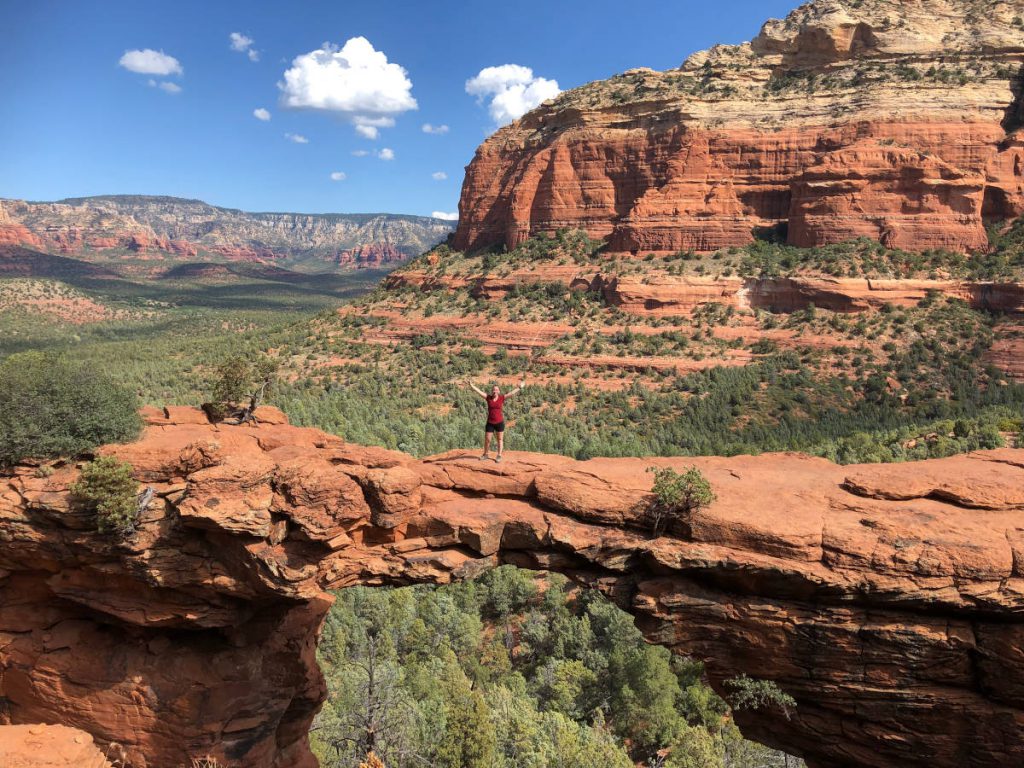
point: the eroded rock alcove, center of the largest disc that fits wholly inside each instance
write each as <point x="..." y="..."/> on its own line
<point x="888" y="600"/>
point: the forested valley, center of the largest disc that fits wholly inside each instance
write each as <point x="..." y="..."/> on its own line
<point x="516" y="670"/>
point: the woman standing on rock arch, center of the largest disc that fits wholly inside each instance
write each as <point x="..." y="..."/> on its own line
<point x="495" y="415"/>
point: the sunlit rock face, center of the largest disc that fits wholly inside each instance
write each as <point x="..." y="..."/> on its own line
<point x="845" y="119"/>
<point x="886" y="599"/>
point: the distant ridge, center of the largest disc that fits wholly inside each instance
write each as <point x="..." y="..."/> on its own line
<point x="123" y="199"/>
<point x="162" y="227"/>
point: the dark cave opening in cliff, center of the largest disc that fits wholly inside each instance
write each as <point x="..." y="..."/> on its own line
<point x="996" y="207"/>
<point x="516" y="669"/>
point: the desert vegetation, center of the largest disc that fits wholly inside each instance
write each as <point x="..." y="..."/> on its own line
<point x="516" y="670"/>
<point x="51" y="405"/>
<point x="107" y="489"/>
<point x="897" y="383"/>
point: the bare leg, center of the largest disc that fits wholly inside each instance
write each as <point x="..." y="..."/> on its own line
<point x="501" y="443"/>
<point x="487" y="444"/>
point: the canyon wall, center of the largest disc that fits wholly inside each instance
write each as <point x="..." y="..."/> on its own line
<point x="166" y="227"/>
<point x="887" y="600"/>
<point x="891" y="120"/>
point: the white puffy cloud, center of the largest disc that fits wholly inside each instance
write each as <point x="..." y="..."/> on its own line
<point x="386" y="154"/>
<point x="369" y="127"/>
<point x="512" y="89"/>
<point x="338" y="176"/>
<point x="243" y="44"/>
<point x="298" y="138"/>
<point x="360" y="152"/>
<point x="453" y="216"/>
<point x="261" y="114"/>
<point x="355" y="80"/>
<point x="439" y="175"/>
<point x="150" y="62"/>
<point x="164" y="85"/>
<point x="436" y="130"/>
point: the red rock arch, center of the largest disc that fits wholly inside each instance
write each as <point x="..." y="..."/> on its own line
<point x="887" y="600"/>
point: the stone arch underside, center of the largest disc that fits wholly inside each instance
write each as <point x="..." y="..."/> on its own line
<point x="887" y="599"/>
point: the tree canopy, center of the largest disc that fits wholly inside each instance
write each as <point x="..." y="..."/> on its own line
<point x="51" y="405"/>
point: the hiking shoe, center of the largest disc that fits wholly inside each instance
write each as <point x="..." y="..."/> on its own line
<point x="497" y="460"/>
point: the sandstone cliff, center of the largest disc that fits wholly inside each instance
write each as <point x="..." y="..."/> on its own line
<point x="173" y="228"/>
<point x="886" y="599"/>
<point x="891" y="119"/>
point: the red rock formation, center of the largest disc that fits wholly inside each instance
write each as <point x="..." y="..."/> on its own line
<point x="672" y="295"/>
<point x="897" y="195"/>
<point x="15" y="234"/>
<point x="48" y="746"/>
<point x="1007" y="352"/>
<point x="154" y="228"/>
<point x="370" y="255"/>
<point x="244" y="253"/>
<point x="843" y="120"/>
<point x="689" y="190"/>
<point x="886" y="599"/>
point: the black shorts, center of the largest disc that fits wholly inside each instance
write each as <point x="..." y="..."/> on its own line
<point x="499" y="427"/>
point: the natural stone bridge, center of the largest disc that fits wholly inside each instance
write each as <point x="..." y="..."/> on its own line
<point x="888" y="600"/>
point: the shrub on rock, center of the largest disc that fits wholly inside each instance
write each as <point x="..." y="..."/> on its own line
<point x="108" y="488"/>
<point x="749" y="693"/>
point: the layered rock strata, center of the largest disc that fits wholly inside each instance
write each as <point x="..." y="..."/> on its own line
<point x="894" y="120"/>
<point x="681" y="295"/>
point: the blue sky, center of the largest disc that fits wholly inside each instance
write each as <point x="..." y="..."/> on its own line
<point x="77" y="122"/>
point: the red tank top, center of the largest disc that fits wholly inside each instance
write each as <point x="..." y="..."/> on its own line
<point x="495" y="415"/>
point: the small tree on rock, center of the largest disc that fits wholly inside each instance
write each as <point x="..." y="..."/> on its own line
<point x="677" y="495"/>
<point x="241" y="384"/>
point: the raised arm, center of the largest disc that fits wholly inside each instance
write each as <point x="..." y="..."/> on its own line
<point x="517" y="390"/>
<point x="476" y="389"/>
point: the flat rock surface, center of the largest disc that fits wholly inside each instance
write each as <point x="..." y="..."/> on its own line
<point x="48" y="746"/>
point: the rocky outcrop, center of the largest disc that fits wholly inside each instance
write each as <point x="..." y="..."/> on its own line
<point x="899" y="196"/>
<point x="888" y="600"/>
<point x="892" y="120"/>
<point x="173" y="228"/>
<point x="1007" y="352"/>
<point x="662" y="294"/>
<point x="370" y="255"/>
